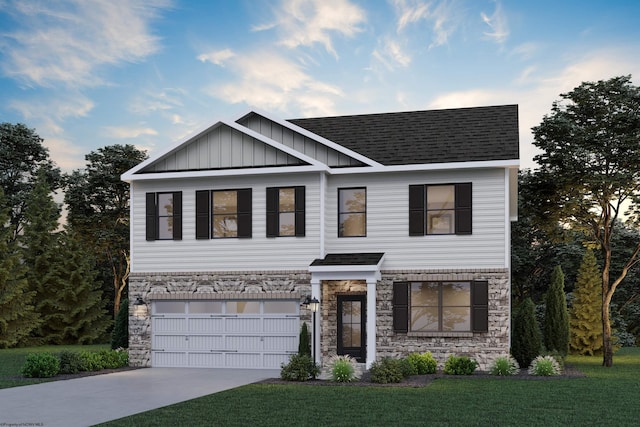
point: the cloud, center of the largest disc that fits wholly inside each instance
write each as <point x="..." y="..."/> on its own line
<point x="391" y="53"/>
<point x="307" y="22"/>
<point x="217" y="57"/>
<point x="151" y="101"/>
<point x="440" y="15"/>
<point x="66" y="42"/>
<point x="128" y="132"/>
<point x="497" y="22"/>
<point x="271" y="81"/>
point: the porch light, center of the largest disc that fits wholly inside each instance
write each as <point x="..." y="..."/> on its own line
<point x="139" y="308"/>
<point x="313" y="304"/>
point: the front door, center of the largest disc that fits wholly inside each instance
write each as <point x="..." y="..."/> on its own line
<point x="352" y="326"/>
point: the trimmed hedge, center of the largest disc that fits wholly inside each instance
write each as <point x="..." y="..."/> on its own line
<point x="47" y="365"/>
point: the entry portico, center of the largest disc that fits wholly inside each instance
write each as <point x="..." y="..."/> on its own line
<point x="347" y="267"/>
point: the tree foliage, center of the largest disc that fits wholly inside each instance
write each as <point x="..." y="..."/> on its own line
<point x="556" y="319"/>
<point x="589" y="170"/>
<point x="120" y="334"/>
<point x="585" y="315"/>
<point x="526" y="341"/>
<point x="98" y="202"/>
<point x="22" y="158"/>
<point x="17" y="316"/>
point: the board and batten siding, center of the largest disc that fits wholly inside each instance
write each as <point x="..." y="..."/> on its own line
<point x="388" y="228"/>
<point x="255" y="254"/>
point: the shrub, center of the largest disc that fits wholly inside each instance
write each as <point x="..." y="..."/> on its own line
<point x="342" y="369"/>
<point x="459" y="365"/>
<point x="41" y="365"/>
<point x="545" y="366"/>
<point x="304" y="345"/>
<point x="526" y="334"/>
<point x="506" y="365"/>
<point x="113" y="359"/>
<point x="386" y="371"/>
<point x="423" y="363"/>
<point x="93" y="360"/>
<point x="120" y="334"/>
<point x="556" y="318"/>
<point x="299" y="368"/>
<point x="71" y="362"/>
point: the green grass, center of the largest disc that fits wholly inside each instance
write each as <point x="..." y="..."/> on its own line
<point x="11" y="361"/>
<point x="606" y="397"/>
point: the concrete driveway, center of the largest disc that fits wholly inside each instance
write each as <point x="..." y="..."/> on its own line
<point x="96" y="399"/>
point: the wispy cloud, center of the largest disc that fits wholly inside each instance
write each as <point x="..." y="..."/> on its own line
<point x="123" y="132"/>
<point x="218" y="57"/>
<point x="66" y="42"/>
<point x="391" y="53"/>
<point x="307" y="22"/>
<point x="439" y="15"/>
<point x="151" y="101"/>
<point x="271" y="81"/>
<point x="497" y="23"/>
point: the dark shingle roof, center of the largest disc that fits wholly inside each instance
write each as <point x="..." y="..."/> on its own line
<point x="349" y="259"/>
<point x="418" y="137"/>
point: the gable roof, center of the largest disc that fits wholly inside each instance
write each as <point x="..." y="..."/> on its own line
<point x="425" y="137"/>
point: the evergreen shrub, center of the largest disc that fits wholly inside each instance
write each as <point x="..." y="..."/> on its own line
<point x="459" y="365"/>
<point x="41" y="365"/>
<point x="423" y="363"/>
<point x="71" y="362"/>
<point x="526" y="342"/>
<point x="299" y="368"/>
<point x="556" y="317"/>
<point x="386" y="370"/>
<point x="92" y="360"/>
<point x="113" y="359"/>
<point x="304" y="345"/>
<point x="120" y="334"/>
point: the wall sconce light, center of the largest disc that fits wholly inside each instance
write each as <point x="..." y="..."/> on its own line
<point x="139" y="307"/>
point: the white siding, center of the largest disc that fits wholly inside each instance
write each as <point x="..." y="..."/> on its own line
<point x="388" y="229"/>
<point x="257" y="253"/>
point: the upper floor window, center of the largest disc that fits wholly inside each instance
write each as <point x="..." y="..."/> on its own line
<point x="352" y="212"/>
<point x="164" y="216"/>
<point x="223" y="213"/>
<point x="285" y="211"/>
<point x="440" y="209"/>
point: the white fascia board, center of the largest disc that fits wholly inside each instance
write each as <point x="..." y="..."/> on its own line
<point x="508" y="164"/>
<point x="227" y="172"/>
<point x="345" y="275"/>
<point x="317" y="138"/>
<point x="131" y="175"/>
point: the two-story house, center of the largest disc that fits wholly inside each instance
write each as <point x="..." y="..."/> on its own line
<point x="397" y="223"/>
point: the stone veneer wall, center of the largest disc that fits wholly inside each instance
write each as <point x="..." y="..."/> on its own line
<point x="483" y="347"/>
<point x="207" y="285"/>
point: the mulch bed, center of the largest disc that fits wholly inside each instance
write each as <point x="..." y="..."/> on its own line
<point x="424" y="380"/>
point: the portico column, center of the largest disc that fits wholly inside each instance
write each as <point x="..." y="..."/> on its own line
<point x="316" y="293"/>
<point x="371" y="322"/>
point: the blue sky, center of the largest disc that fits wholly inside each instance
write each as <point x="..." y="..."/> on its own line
<point x="87" y="74"/>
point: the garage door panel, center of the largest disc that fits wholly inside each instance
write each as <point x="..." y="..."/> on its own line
<point x="247" y="325"/>
<point x="206" y="342"/>
<point x="169" y="358"/>
<point x="206" y="360"/>
<point x="205" y="324"/>
<point x="278" y="343"/>
<point x="169" y="324"/>
<point x="243" y="360"/>
<point x="281" y="325"/>
<point x="170" y="342"/>
<point x="275" y="361"/>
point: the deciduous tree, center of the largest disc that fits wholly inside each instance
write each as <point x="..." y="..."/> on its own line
<point x="589" y="170"/>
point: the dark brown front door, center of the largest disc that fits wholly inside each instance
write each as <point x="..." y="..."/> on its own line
<point x="352" y="327"/>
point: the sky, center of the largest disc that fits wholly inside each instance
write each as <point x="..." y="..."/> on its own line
<point x="86" y="74"/>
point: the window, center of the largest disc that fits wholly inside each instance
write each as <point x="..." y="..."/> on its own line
<point x="285" y="211"/>
<point x="440" y="209"/>
<point x="164" y="216"/>
<point x="352" y="212"/>
<point x="448" y="306"/>
<point x="223" y="214"/>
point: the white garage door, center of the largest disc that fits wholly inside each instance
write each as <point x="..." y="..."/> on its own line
<point x="224" y="334"/>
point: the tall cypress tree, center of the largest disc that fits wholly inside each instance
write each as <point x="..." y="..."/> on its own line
<point x="17" y="316"/>
<point x="585" y="316"/>
<point x="556" y="318"/>
<point x="526" y="342"/>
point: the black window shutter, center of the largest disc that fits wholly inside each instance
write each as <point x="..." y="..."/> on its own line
<point x="300" y="216"/>
<point x="177" y="215"/>
<point x="416" y="210"/>
<point x="480" y="306"/>
<point x="463" y="208"/>
<point x="244" y="213"/>
<point x="151" y="216"/>
<point x="272" y="211"/>
<point x="401" y="307"/>
<point x="203" y="206"/>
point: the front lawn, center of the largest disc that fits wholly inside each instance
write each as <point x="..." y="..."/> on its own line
<point x="606" y="397"/>
<point x="12" y="360"/>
